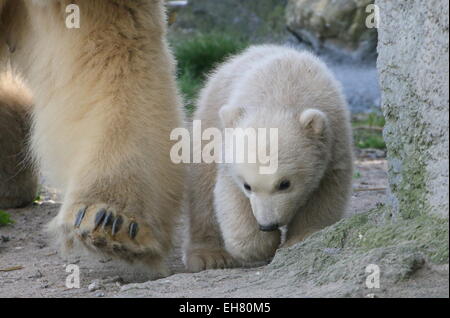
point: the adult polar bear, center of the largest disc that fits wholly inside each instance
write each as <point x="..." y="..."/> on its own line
<point x="234" y="211"/>
<point x="105" y="102"/>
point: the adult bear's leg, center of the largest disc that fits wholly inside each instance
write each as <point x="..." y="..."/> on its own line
<point x="18" y="182"/>
<point x="105" y="104"/>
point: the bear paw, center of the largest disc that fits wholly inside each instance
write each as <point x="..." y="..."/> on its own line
<point x="203" y="259"/>
<point x="104" y="229"/>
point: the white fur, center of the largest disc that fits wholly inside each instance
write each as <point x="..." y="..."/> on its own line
<point x="105" y="103"/>
<point x="270" y="87"/>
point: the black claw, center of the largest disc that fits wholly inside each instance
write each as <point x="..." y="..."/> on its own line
<point x="80" y="215"/>
<point x="108" y="220"/>
<point x="133" y="230"/>
<point x="117" y="224"/>
<point x="99" y="218"/>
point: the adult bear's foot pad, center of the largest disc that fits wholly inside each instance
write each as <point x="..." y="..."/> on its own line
<point x="102" y="228"/>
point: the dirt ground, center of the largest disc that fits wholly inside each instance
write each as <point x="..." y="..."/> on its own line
<point x="31" y="267"/>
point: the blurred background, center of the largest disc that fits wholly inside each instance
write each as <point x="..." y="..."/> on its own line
<point x="203" y="33"/>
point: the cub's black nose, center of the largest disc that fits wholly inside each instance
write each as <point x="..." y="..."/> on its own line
<point x="268" y="228"/>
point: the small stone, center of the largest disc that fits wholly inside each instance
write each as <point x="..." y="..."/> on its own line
<point x="36" y="274"/>
<point x="95" y="285"/>
<point x="105" y="260"/>
<point x="380" y="204"/>
<point x="332" y="251"/>
<point x="113" y="279"/>
<point x="41" y="245"/>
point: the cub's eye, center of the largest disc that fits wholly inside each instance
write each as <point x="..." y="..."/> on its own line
<point x="247" y="187"/>
<point x="284" y="185"/>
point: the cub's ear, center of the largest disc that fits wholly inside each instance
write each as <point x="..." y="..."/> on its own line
<point x="229" y="115"/>
<point x="314" y="120"/>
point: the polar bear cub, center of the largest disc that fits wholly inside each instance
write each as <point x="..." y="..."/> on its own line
<point x="235" y="211"/>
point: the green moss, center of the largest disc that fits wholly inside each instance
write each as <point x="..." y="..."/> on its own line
<point x="411" y="192"/>
<point x="373" y="230"/>
<point x="408" y="141"/>
<point x="344" y="250"/>
<point x="429" y="233"/>
<point x="5" y="218"/>
<point x="345" y="231"/>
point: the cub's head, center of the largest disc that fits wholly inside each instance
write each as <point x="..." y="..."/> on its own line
<point x="298" y="157"/>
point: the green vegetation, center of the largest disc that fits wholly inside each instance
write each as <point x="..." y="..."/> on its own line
<point x="368" y="131"/>
<point x="374" y="119"/>
<point x="190" y="86"/>
<point x="5" y="218"/>
<point x="198" y="56"/>
<point x="365" y="140"/>
<point x="357" y="175"/>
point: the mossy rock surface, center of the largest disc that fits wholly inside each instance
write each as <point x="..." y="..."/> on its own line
<point x="344" y="250"/>
<point x="413" y="66"/>
<point x="411" y="255"/>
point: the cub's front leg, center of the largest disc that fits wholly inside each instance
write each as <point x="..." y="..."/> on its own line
<point x="106" y="102"/>
<point x="241" y="234"/>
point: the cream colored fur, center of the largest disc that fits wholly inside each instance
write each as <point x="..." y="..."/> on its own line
<point x="18" y="182"/>
<point x="105" y="103"/>
<point x="269" y="87"/>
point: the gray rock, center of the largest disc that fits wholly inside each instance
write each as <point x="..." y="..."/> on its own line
<point x="414" y="68"/>
<point x="95" y="285"/>
<point x="335" y="25"/>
